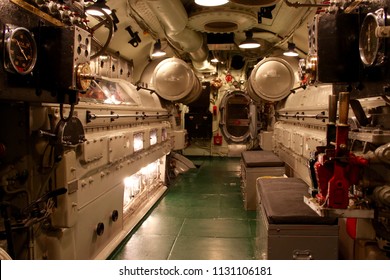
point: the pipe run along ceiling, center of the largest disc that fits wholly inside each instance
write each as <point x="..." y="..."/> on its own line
<point x="184" y="27"/>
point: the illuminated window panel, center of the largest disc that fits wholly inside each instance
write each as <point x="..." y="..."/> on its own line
<point x="138" y="143"/>
<point x="138" y="186"/>
<point x="108" y="92"/>
<point x="153" y="137"/>
<point x="164" y="134"/>
<point x="132" y="186"/>
<point x="150" y="173"/>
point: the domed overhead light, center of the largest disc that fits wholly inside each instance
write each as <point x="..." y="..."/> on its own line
<point x="214" y="59"/>
<point x="94" y="9"/>
<point x="249" y="42"/>
<point x="211" y="3"/>
<point x="291" y="50"/>
<point x="157" y="51"/>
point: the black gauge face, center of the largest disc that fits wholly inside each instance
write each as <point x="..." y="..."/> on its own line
<point x="368" y="42"/>
<point x="22" y="51"/>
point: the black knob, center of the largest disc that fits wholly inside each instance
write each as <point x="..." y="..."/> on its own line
<point x="114" y="215"/>
<point x="100" y="229"/>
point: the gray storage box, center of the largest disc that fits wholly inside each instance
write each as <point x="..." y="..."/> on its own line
<point x="256" y="164"/>
<point x="289" y="229"/>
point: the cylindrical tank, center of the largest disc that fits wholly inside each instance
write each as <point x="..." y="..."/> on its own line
<point x="174" y="80"/>
<point x="271" y="80"/>
<point x="146" y="79"/>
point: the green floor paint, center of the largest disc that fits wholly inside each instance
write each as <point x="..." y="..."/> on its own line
<point x="201" y="217"/>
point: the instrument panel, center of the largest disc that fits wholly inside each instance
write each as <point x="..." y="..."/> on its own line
<point x="370" y="45"/>
<point x="46" y="51"/>
<point x="20" y="50"/>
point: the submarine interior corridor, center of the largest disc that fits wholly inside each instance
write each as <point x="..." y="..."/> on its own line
<point x="201" y="217"/>
<point x="148" y="130"/>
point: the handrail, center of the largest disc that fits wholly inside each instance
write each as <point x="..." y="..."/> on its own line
<point x="298" y="116"/>
<point x="91" y="116"/>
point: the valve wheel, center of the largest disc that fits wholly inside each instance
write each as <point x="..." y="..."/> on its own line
<point x="102" y="21"/>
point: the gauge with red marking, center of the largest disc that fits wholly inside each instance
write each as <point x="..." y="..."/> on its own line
<point x="21" y="51"/>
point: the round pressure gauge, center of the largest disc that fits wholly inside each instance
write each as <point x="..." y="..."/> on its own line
<point x="21" y="51"/>
<point x="369" y="43"/>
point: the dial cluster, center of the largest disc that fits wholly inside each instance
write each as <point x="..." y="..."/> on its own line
<point x="21" y="50"/>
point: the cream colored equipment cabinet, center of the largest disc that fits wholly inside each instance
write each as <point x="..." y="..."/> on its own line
<point x="256" y="164"/>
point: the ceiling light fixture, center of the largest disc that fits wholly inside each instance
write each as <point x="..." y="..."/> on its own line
<point x="95" y="8"/>
<point x="213" y="58"/>
<point x="249" y="42"/>
<point x="157" y="51"/>
<point x="211" y="3"/>
<point x="291" y="50"/>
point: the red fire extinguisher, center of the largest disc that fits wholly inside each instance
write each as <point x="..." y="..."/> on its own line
<point x="218" y="139"/>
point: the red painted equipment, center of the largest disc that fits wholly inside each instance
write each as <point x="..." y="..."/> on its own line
<point x="217" y="139"/>
<point x="338" y="169"/>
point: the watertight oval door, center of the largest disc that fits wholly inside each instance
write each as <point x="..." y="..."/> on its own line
<point x="235" y="116"/>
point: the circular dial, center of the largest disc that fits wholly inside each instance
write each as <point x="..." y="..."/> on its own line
<point x="22" y="51"/>
<point x="368" y="42"/>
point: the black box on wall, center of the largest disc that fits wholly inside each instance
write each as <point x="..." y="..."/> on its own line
<point x="199" y="125"/>
<point x="338" y="48"/>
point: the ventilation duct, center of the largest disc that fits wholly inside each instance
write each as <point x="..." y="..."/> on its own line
<point x="174" y="18"/>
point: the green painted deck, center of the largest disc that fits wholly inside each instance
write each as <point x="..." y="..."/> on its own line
<point x="201" y="217"/>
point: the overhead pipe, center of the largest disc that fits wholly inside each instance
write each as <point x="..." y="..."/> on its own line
<point x="174" y="18"/>
<point x="302" y="116"/>
<point x="298" y="5"/>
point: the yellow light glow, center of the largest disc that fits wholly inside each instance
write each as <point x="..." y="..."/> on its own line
<point x="132" y="186"/>
<point x="164" y="134"/>
<point x="143" y="180"/>
<point x="153" y="137"/>
<point x="138" y="142"/>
